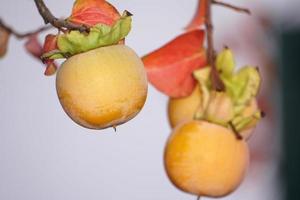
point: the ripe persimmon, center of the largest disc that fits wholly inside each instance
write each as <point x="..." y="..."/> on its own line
<point x="205" y="159"/>
<point x="183" y="109"/>
<point x="104" y="87"/>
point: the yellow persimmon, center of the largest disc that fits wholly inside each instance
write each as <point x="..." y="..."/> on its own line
<point x="102" y="88"/>
<point x="205" y="159"/>
<point x="183" y="109"/>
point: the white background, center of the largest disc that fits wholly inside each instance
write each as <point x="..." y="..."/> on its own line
<point x="46" y="156"/>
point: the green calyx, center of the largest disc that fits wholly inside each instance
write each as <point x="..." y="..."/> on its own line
<point x="100" y="35"/>
<point x="237" y="104"/>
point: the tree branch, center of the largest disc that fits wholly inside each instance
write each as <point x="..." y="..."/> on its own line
<point x="58" y="23"/>
<point x="236" y="8"/>
<point x="217" y="83"/>
<point x="22" y="35"/>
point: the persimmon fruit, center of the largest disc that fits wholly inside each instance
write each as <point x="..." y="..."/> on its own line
<point x="205" y="159"/>
<point x="183" y="109"/>
<point x="102" y="88"/>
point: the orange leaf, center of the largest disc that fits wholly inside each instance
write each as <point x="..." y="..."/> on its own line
<point x="4" y="38"/>
<point x="199" y="17"/>
<point x="33" y="46"/>
<point x="51" y="68"/>
<point x="92" y="12"/>
<point x="170" y="68"/>
<point x="50" y="44"/>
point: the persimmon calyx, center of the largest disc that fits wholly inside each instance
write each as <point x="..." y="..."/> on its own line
<point x="237" y="105"/>
<point x="219" y="108"/>
<point x="100" y="35"/>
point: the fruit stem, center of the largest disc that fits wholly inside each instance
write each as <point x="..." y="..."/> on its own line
<point x="236" y="133"/>
<point x="58" y="23"/>
<point x="217" y="83"/>
<point x="22" y="35"/>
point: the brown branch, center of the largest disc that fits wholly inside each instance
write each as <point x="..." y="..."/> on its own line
<point x="236" y="8"/>
<point x="58" y="23"/>
<point x="217" y="83"/>
<point x="22" y="35"/>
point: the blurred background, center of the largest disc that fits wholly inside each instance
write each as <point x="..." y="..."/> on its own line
<point x="44" y="155"/>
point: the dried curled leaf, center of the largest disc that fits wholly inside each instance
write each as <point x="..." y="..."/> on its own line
<point x="51" y="68"/>
<point x="170" y="68"/>
<point x="50" y="44"/>
<point x="248" y="117"/>
<point x="4" y="38"/>
<point x="92" y="12"/>
<point x="33" y="46"/>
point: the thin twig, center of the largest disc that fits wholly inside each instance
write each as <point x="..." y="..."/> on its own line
<point x="236" y="8"/>
<point x="217" y="83"/>
<point x="22" y="35"/>
<point x="199" y="197"/>
<point x="236" y="133"/>
<point x="58" y="23"/>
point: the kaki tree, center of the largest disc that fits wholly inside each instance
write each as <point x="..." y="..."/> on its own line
<point x="212" y="108"/>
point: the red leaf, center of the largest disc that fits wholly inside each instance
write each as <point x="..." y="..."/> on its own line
<point x="92" y="12"/>
<point x="4" y="38"/>
<point x="170" y="68"/>
<point x="199" y="17"/>
<point x="51" y="68"/>
<point x="50" y="43"/>
<point x="33" y="46"/>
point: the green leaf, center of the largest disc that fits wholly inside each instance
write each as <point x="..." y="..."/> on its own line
<point x="225" y="62"/>
<point x="247" y="81"/>
<point x="243" y="123"/>
<point x="100" y="35"/>
<point x="55" y="54"/>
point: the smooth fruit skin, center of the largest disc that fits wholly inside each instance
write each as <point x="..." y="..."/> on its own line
<point x="183" y="109"/>
<point x="102" y="88"/>
<point x="205" y="159"/>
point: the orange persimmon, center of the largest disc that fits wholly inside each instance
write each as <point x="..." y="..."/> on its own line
<point x="205" y="159"/>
